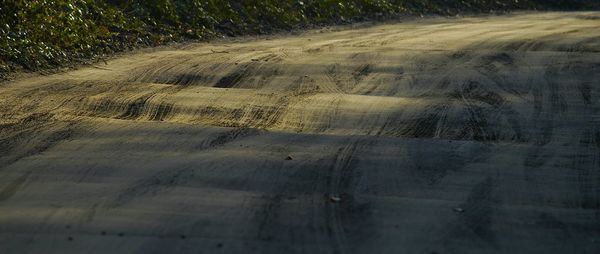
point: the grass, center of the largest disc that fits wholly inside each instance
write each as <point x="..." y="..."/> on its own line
<point x="43" y="34"/>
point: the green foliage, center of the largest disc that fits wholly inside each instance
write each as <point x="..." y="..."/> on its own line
<point x="42" y="33"/>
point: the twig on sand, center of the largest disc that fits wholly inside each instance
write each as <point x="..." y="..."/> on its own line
<point x="219" y="52"/>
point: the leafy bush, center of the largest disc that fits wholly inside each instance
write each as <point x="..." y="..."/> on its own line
<point x="44" y="32"/>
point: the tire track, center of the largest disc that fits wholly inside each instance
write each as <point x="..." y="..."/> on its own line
<point x="338" y="181"/>
<point x="30" y="136"/>
<point x="168" y="179"/>
<point x="313" y="189"/>
<point x="476" y="222"/>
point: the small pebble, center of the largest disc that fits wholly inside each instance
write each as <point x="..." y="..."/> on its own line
<point x="335" y="199"/>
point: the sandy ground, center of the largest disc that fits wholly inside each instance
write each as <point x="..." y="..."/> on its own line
<point x="463" y="135"/>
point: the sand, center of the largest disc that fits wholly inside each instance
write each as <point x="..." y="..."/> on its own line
<point x="438" y="135"/>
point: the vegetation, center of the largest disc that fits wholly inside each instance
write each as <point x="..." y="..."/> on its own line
<point x="36" y="34"/>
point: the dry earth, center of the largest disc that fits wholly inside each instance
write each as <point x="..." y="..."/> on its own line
<point x="462" y="135"/>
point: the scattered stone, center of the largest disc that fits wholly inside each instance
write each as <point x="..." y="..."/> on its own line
<point x="459" y="210"/>
<point x="335" y="199"/>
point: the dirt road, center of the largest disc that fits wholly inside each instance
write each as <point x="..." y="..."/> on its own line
<point x="462" y="135"/>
